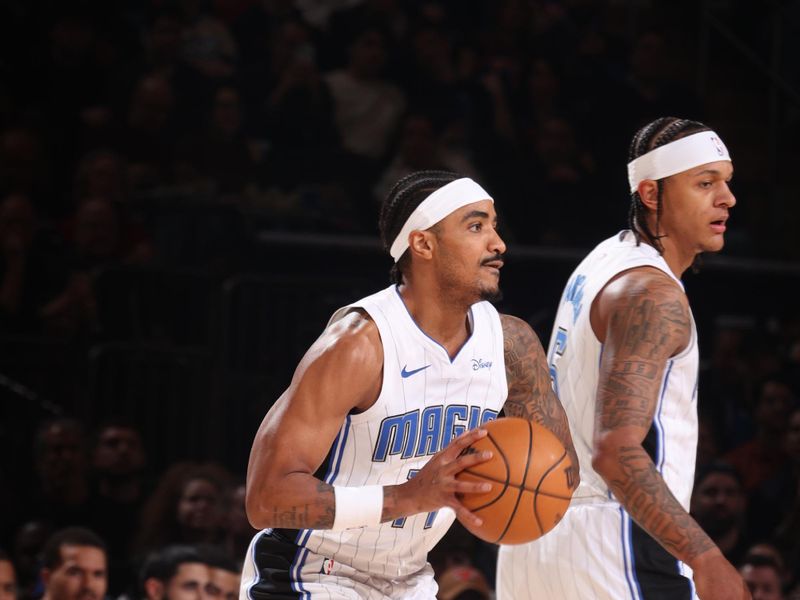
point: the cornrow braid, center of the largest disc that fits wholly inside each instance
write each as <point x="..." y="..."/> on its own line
<point x="406" y="195"/>
<point x="653" y="135"/>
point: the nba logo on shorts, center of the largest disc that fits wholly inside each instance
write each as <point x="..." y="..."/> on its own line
<point x="327" y="566"/>
<point x="718" y="145"/>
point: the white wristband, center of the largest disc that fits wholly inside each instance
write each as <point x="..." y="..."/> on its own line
<point x="357" y="507"/>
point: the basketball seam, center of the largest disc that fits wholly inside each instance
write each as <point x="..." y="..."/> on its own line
<point x="524" y="477"/>
<point x="521" y="487"/>
<point x="538" y="485"/>
<point x="505" y="483"/>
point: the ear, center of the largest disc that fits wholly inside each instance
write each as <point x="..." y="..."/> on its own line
<point x="44" y="575"/>
<point x="421" y="243"/>
<point x="153" y="589"/>
<point x="648" y="192"/>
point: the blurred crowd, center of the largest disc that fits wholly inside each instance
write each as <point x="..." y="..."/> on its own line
<point x="172" y="133"/>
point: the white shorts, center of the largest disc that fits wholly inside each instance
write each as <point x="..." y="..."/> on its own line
<point x="276" y="568"/>
<point x="595" y="552"/>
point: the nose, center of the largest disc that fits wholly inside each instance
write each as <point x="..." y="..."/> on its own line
<point x="727" y="198"/>
<point x="496" y="244"/>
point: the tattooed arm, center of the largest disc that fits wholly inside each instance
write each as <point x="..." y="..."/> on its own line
<point x="642" y="318"/>
<point x="530" y="390"/>
<point x="341" y="372"/>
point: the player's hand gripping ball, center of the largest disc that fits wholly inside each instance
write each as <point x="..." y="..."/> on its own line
<point x="531" y="476"/>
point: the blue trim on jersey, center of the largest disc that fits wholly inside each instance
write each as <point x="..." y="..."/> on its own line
<point x="627" y="556"/>
<point x="302" y="536"/>
<point x="469" y="337"/>
<point x="661" y="446"/>
<point x="337" y="453"/>
<point x="256" y="574"/>
<point x="682" y="571"/>
<point x="299" y="561"/>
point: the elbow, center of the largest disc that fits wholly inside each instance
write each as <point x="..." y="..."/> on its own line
<point x="605" y="455"/>
<point x="258" y="512"/>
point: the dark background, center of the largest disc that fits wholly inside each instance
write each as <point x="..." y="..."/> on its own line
<point x="194" y="185"/>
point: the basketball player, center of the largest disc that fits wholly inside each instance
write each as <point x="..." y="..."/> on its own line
<point x="352" y="472"/>
<point x="624" y="360"/>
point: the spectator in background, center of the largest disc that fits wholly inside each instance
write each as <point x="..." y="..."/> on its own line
<point x="559" y="167"/>
<point x="762" y="457"/>
<point x="463" y="583"/>
<point x="208" y="44"/>
<point x="102" y="173"/>
<point x="29" y="539"/>
<point x="367" y="106"/>
<point x="290" y="108"/>
<point x="707" y="441"/>
<point x="74" y="566"/>
<point x="24" y="170"/>
<point x="8" y="578"/>
<point x="459" y="549"/>
<point x="119" y="488"/>
<point x="763" y="577"/>
<point x="238" y="531"/>
<point x="771" y="552"/>
<point x="149" y="137"/>
<point x="787" y="533"/>
<point x="776" y="497"/>
<point x="61" y="495"/>
<point x="224" y="573"/>
<point x="719" y="505"/>
<point x="175" y="572"/>
<point x="185" y="507"/>
<point x="30" y="273"/>
<point x="221" y="155"/>
<point x="420" y="148"/>
<point x="100" y="239"/>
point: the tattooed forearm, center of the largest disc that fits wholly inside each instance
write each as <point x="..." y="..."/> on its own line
<point x="640" y="488"/>
<point x="530" y="391"/>
<point x="317" y="514"/>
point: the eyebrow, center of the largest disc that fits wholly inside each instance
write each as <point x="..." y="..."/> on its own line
<point x="475" y="213"/>
<point x="709" y="172"/>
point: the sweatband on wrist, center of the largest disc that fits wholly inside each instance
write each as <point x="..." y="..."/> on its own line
<point x="436" y="207"/>
<point x="678" y="156"/>
<point x="357" y="507"/>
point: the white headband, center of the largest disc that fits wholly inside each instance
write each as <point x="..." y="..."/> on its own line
<point x="436" y="207"/>
<point x="676" y="157"/>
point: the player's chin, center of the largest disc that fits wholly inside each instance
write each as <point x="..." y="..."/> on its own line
<point x="491" y="293"/>
<point x="715" y="244"/>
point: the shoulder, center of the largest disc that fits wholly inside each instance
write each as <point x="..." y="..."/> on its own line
<point x="517" y="333"/>
<point x="643" y="284"/>
<point x="514" y="327"/>
<point x="643" y="303"/>
<point x="352" y="342"/>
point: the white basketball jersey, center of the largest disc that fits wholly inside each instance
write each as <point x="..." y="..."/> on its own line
<point x="574" y="357"/>
<point x="426" y="400"/>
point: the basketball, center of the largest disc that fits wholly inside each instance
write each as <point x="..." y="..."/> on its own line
<point x="531" y="476"/>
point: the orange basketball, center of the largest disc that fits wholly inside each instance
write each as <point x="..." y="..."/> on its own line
<point x="531" y="475"/>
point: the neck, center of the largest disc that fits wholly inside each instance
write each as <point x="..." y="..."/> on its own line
<point x="677" y="259"/>
<point x="442" y="318"/>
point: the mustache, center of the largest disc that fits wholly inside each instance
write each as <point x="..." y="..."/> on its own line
<point x="493" y="258"/>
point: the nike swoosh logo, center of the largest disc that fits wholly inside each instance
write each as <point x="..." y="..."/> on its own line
<point x="405" y="373"/>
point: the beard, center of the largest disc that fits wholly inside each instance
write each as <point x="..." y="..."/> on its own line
<point x="491" y="295"/>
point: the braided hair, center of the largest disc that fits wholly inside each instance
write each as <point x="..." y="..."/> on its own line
<point x="406" y="195"/>
<point x="653" y="135"/>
